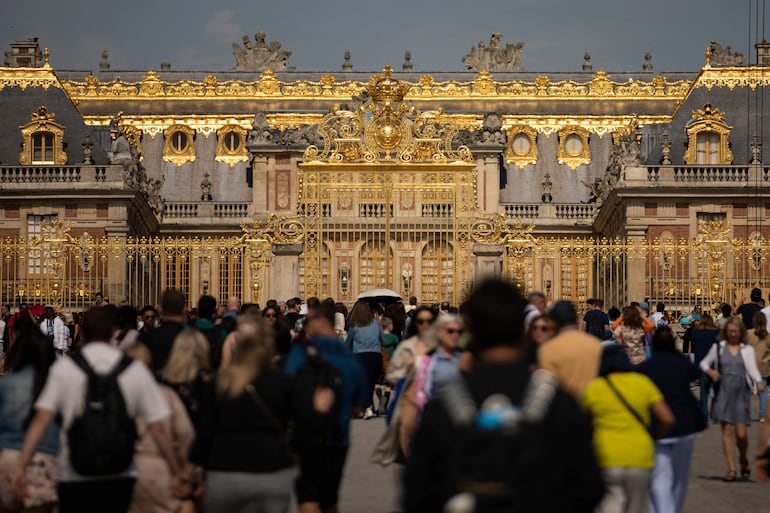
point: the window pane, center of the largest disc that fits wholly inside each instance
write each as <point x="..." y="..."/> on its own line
<point x="179" y="141"/>
<point x="573" y="145"/>
<point x="232" y="141"/>
<point x="521" y="144"/>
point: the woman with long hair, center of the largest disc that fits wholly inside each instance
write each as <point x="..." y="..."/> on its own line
<point x="241" y="438"/>
<point x="735" y="373"/>
<point x="126" y="334"/>
<point x="759" y="338"/>
<point x="187" y="371"/>
<point x="27" y="363"/>
<point x="672" y="372"/>
<point x="152" y="492"/>
<point x="414" y="346"/>
<point x="366" y="339"/>
<point x="281" y="332"/>
<point x="622" y="404"/>
<point x="630" y="335"/>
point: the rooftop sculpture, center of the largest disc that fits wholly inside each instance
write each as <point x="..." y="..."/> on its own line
<point x="494" y="57"/>
<point x="260" y="55"/>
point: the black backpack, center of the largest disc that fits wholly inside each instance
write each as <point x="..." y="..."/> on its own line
<point x="101" y="439"/>
<point x="595" y="324"/>
<point x="496" y="445"/>
<point x="311" y="427"/>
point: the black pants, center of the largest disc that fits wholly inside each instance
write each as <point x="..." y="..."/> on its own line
<point x="320" y="474"/>
<point x="372" y="364"/>
<point x="105" y="496"/>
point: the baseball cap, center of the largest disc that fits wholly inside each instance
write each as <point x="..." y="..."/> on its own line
<point x="644" y="305"/>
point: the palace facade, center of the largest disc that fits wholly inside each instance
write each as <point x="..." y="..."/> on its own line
<point x="269" y="182"/>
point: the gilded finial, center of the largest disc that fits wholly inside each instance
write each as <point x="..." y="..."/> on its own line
<point x="387" y="71"/>
<point x="708" y="57"/>
<point x="46" y="55"/>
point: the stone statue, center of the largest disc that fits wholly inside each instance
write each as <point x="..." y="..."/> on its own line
<point x="120" y="152"/>
<point x="206" y="188"/>
<point x="260" y="132"/>
<point x="104" y="65"/>
<point x="260" y="56"/>
<point x="647" y="66"/>
<point x="494" y="57"/>
<point x="614" y="165"/>
<point x="151" y="190"/>
<point x="631" y="154"/>
<point x="725" y="56"/>
<point x="597" y="188"/>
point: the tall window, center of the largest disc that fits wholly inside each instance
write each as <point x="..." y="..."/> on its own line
<point x="707" y="148"/>
<point x="373" y="263"/>
<point x="37" y="257"/>
<point x="42" y="148"/>
<point x="437" y="272"/>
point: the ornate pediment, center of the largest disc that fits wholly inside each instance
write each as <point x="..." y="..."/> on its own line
<point x="386" y="129"/>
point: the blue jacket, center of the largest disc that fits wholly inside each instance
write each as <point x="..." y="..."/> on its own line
<point x="366" y="339"/>
<point x="15" y="408"/>
<point x="352" y="374"/>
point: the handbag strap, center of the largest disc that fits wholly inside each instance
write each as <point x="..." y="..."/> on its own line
<point x="266" y="410"/>
<point x="625" y="403"/>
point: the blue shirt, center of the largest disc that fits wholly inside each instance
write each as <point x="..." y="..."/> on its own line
<point x="354" y="389"/>
<point x="366" y="339"/>
<point x="15" y="408"/>
<point x="445" y="369"/>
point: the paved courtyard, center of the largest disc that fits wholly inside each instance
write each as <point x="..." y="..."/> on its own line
<point x="369" y="488"/>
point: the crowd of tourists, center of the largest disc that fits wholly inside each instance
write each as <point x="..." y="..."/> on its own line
<point x="235" y="408"/>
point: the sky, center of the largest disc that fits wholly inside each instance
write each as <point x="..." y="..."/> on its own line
<point x="198" y="34"/>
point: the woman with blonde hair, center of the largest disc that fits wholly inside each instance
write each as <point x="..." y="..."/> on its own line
<point x="241" y="438"/>
<point x="187" y="371"/>
<point x="152" y="492"/>
<point x="735" y="373"/>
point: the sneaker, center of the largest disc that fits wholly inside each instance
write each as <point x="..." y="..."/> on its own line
<point x="368" y="414"/>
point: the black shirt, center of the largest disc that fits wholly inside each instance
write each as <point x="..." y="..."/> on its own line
<point x="160" y="341"/>
<point x="238" y="435"/>
<point x="747" y="311"/>
<point x="564" y="477"/>
<point x="673" y="373"/>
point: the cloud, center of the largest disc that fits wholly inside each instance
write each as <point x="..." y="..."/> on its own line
<point x="223" y="27"/>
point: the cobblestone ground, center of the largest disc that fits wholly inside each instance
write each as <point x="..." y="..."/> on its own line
<point x="369" y="488"/>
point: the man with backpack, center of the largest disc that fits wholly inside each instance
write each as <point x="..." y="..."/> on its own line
<point x="596" y="322"/>
<point x="97" y="394"/>
<point x="322" y="441"/>
<point x="502" y="439"/>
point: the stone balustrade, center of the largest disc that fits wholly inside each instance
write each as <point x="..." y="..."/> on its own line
<point x="84" y="175"/>
<point x="575" y="211"/>
<point x="206" y="212"/>
<point x="437" y="210"/>
<point x="521" y="211"/>
<point x="695" y="175"/>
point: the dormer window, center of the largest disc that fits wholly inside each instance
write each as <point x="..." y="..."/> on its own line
<point x="42" y="140"/>
<point x="231" y="146"/>
<point x="179" y="147"/>
<point x="708" y="138"/>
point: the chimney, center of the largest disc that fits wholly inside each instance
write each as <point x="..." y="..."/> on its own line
<point x="165" y="66"/>
<point x="763" y="53"/>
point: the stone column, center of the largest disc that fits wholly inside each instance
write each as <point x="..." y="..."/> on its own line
<point x="488" y="182"/>
<point x="259" y="165"/>
<point x="489" y="261"/>
<point x="284" y="273"/>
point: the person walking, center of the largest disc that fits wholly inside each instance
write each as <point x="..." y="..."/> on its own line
<point x="366" y="339"/>
<point x="63" y="394"/>
<point x="622" y="404"/>
<point x="321" y="465"/>
<point x="497" y="468"/>
<point x="188" y="372"/>
<point x="172" y="321"/>
<point x="630" y="334"/>
<point x="672" y="372"/>
<point x="703" y="336"/>
<point x="440" y="366"/>
<point x="241" y="433"/>
<point x="759" y="339"/>
<point x="27" y="364"/>
<point x="735" y="373"/>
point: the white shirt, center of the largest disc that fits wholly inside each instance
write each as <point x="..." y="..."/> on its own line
<point x="656" y="317"/>
<point x="64" y="393"/>
<point x="749" y="362"/>
<point x="766" y="311"/>
<point x="59" y="332"/>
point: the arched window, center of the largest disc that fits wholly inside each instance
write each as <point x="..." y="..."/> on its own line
<point x="179" y="147"/>
<point x="231" y="145"/>
<point x="708" y="138"/>
<point x="437" y="277"/>
<point x="373" y="264"/>
<point x="42" y="140"/>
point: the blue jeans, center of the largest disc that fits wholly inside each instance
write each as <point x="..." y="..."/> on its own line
<point x="705" y="391"/>
<point x="670" y="474"/>
<point x="763" y="398"/>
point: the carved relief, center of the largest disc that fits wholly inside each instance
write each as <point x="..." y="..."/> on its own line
<point x="260" y="55"/>
<point x="282" y="190"/>
<point x="494" y="57"/>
